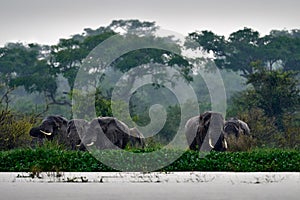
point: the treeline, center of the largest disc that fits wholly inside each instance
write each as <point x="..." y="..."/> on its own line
<point x="37" y="80"/>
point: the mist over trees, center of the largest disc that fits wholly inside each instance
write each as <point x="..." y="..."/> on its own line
<point x="260" y="74"/>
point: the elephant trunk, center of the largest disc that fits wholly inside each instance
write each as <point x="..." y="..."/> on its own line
<point x="214" y="131"/>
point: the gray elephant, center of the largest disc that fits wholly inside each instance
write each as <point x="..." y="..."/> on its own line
<point x="198" y="127"/>
<point x="52" y="127"/>
<point x="107" y="133"/>
<point x="76" y="129"/>
<point x="136" y="138"/>
<point x="236" y="127"/>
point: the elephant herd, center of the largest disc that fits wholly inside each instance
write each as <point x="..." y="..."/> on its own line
<point x="102" y="132"/>
<point x="111" y="133"/>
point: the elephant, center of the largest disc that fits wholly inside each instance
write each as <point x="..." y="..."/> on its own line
<point x="136" y="138"/>
<point x="236" y="127"/>
<point x="52" y="127"/>
<point x="237" y="133"/>
<point x="76" y="129"/>
<point x="197" y="128"/>
<point x="110" y="133"/>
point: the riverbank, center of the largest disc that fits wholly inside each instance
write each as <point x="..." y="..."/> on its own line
<point x="153" y="177"/>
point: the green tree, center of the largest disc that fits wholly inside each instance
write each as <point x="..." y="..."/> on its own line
<point x="243" y="47"/>
<point x="68" y="54"/>
<point x="133" y="26"/>
<point x="236" y="53"/>
<point x="276" y="92"/>
<point x="22" y="65"/>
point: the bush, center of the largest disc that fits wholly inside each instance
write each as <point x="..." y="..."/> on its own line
<point x="56" y="159"/>
<point x="290" y="138"/>
<point x="265" y="132"/>
<point x="242" y="143"/>
<point x="14" y="131"/>
<point x="262" y="128"/>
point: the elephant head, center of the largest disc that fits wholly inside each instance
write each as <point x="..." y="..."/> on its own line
<point x="236" y="127"/>
<point x="107" y="133"/>
<point x="51" y="127"/>
<point x="207" y="124"/>
<point x="76" y="130"/>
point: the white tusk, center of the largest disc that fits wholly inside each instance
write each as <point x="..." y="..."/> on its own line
<point x="45" y="133"/>
<point x="78" y="145"/>
<point x="90" y="144"/>
<point x="210" y="143"/>
<point x="225" y="144"/>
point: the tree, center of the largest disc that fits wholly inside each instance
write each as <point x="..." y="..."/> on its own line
<point x="270" y="106"/>
<point x="133" y="26"/>
<point x="243" y="47"/>
<point x="27" y="66"/>
<point x="282" y="51"/>
<point x="68" y="54"/>
<point x="274" y="92"/>
<point x="235" y="54"/>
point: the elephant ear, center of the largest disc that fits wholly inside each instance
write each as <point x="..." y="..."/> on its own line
<point x="97" y="124"/>
<point x="104" y="123"/>
<point x="136" y="133"/>
<point x="60" y="121"/>
<point x="244" y="126"/>
<point x="53" y="119"/>
<point x="121" y="126"/>
<point x="70" y="125"/>
<point x="192" y="126"/>
<point x="205" y="119"/>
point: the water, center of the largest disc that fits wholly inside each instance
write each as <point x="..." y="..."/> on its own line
<point x="148" y="191"/>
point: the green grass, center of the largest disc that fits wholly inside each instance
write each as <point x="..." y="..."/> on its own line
<point x="57" y="159"/>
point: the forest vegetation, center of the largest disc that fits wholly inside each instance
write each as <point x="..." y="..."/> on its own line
<point x="260" y="75"/>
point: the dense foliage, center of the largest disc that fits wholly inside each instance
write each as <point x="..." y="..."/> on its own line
<point x="37" y="80"/>
<point x="279" y="49"/>
<point x="14" y="130"/>
<point x="56" y="159"/>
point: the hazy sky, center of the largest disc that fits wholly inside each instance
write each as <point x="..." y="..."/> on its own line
<point x="45" y="21"/>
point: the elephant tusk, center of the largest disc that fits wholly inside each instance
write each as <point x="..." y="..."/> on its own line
<point x="90" y="144"/>
<point x="79" y="145"/>
<point x="46" y="133"/>
<point x="210" y="143"/>
<point x="225" y="144"/>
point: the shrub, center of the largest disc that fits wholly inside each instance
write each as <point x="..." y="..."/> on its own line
<point x="55" y="159"/>
<point x="265" y="132"/>
<point x="263" y="128"/>
<point x="14" y="130"/>
<point x="242" y="143"/>
<point x="290" y="138"/>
